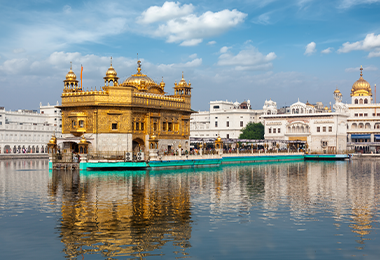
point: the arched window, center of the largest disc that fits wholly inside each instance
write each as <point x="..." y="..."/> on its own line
<point x="361" y="101"/>
<point x="356" y="101"/>
<point x="354" y="126"/>
<point x="365" y="101"/>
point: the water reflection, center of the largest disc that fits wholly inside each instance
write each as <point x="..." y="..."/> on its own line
<point x="122" y="214"/>
<point x="188" y="213"/>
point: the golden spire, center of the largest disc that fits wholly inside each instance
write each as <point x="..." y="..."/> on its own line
<point x="111" y="61"/>
<point x="139" y="67"/>
<point x="361" y="71"/>
<point x="71" y="65"/>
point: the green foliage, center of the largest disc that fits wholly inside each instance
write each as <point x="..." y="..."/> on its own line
<point x="253" y="131"/>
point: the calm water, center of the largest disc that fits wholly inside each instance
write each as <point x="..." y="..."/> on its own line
<point x="293" y="210"/>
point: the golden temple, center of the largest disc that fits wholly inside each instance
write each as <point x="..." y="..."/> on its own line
<point x="123" y="116"/>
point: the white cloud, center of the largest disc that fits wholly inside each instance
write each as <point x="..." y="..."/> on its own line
<point x="327" y="51"/>
<point x="345" y="4"/>
<point x="50" y="32"/>
<point x="191" y="29"/>
<point x="224" y="49"/>
<point x="262" y="19"/>
<point x="169" y="10"/>
<point x="310" y="48"/>
<point x="357" y="69"/>
<point x="370" y="43"/>
<point x="191" y="42"/>
<point x="193" y="56"/>
<point x="211" y="42"/>
<point x="374" y="54"/>
<point x="247" y="59"/>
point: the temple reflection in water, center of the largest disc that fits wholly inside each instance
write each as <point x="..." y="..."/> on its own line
<point x="118" y="214"/>
<point x="137" y="213"/>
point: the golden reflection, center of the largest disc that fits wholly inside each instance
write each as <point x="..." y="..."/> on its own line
<point x="122" y="215"/>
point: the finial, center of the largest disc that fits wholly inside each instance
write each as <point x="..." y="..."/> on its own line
<point x="361" y="71"/>
<point x="95" y="88"/>
<point x="71" y="65"/>
<point x="182" y="74"/>
<point x="111" y="61"/>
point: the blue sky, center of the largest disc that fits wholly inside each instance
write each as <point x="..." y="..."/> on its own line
<point x="229" y="50"/>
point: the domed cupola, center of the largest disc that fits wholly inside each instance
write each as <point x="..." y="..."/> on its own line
<point x="162" y="83"/>
<point x="361" y="87"/>
<point x="140" y="81"/>
<point x="182" y="88"/>
<point x="111" y="76"/>
<point x="71" y="82"/>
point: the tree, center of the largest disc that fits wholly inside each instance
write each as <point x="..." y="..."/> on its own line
<point x="252" y="131"/>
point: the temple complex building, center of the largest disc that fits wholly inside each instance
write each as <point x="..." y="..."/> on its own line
<point x="53" y="117"/>
<point x="123" y="116"/>
<point x="364" y="121"/>
<point x="324" y="132"/>
<point x="24" y="131"/>
<point x="224" y="119"/>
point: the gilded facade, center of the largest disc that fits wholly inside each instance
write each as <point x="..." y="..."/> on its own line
<point x="122" y="116"/>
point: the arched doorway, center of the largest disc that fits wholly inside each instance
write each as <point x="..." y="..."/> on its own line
<point x="7" y="149"/>
<point x="138" y="145"/>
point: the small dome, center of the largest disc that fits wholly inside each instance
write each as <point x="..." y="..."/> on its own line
<point x="111" y="72"/>
<point x="361" y="86"/>
<point x="83" y="140"/>
<point x="337" y="91"/>
<point x="53" y="140"/>
<point x="308" y="104"/>
<point x="162" y="83"/>
<point x="71" y="75"/>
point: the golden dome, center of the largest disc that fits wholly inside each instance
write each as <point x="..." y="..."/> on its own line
<point x="83" y="140"/>
<point x="139" y="80"/>
<point x="111" y="72"/>
<point x="53" y="140"/>
<point x="308" y="104"/>
<point x="326" y="108"/>
<point x="71" y="75"/>
<point x="361" y="87"/>
<point x="337" y="91"/>
<point x="162" y="84"/>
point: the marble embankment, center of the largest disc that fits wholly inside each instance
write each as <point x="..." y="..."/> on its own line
<point x="369" y="156"/>
<point x="24" y="156"/>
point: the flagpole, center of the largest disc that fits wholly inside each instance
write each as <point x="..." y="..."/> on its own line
<point x="81" y="71"/>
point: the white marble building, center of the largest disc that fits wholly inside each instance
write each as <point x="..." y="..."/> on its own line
<point x="53" y="116"/>
<point x="323" y="132"/>
<point x="364" y="121"/>
<point x="24" y="131"/>
<point x="224" y="119"/>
